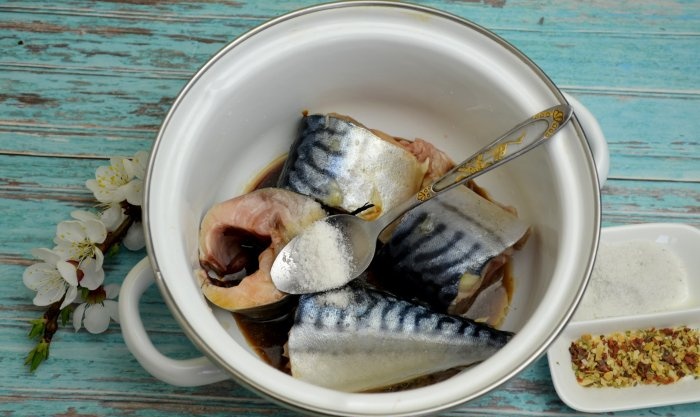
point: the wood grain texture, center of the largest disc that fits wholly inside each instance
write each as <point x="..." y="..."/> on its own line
<point x="85" y="80"/>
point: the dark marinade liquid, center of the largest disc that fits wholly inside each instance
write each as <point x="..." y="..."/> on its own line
<point x="268" y="338"/>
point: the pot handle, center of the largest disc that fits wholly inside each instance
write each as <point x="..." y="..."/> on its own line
<point x="595" y="137"/>
<point x="181" y="372"/>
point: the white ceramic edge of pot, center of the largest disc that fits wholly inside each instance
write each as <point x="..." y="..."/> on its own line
<point x="594" y="136"/>
<point x="180" y="372"/>
<point x="299" y="404"/>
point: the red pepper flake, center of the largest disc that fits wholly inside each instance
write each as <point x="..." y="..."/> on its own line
<point x="648" y="356"/>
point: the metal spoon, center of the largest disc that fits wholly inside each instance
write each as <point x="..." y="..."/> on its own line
<point x="289" y="272"/>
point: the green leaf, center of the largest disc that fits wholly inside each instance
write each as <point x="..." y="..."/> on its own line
<point x="65" y="315"/>
<point x="37" y="355"/>
<point x="38" y="326"/>
<point x="114" y="250"/>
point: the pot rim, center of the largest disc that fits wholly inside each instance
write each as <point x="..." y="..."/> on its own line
<point x="188" y="327"/>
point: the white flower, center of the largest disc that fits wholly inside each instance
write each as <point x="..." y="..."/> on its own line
<point x="135" y="239"/>
<point x="108" y="185"/>
<point x="78" y="239"/>
<point x="91" y="273"/>
<point x="50" y="279"/>
<point x="84" y="215"/>
<point x="47" y="255"/>
<point x="134" y="192"/>
<point x="113" y="216"/>
<point x="136" y="166"/>
<point x="122" y="180"/>
<point x="95" y="314"/>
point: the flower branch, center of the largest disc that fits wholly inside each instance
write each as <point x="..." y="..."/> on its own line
<point x="69" y="280"/>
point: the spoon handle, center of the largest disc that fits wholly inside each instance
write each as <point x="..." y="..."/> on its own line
<point x="512" y="144"/>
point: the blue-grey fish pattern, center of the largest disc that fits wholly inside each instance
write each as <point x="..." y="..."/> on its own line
<point x="441" y="249"/>
<point x="344" y="165"/>
<point x="357" y="338"/>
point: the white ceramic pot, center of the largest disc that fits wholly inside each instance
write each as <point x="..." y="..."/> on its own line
<point x="404" y="69"/>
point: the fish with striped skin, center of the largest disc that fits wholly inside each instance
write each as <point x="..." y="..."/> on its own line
<point x="345" y="165"/>
<point x="356" y="339"/>
<point x="448" y="250"/>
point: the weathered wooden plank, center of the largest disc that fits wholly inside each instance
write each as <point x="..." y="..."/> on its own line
<point x="90" y="405"/>
<point x="57" y="101"/>
<point x="605" y="16"/>
<point x="77" y="405"/>
<point x="646" y="139"/>
<point x="47" y="40"/>
<point x="53" y="175"/>
<point x="652" y="200"/>
<point x="573" y="60"/>
<point x="558" y="45"/>
<point x="91" y="144"/>
<point x="30" y="224"/>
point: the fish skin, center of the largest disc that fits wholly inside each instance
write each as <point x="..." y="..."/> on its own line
<point x="344" y="165"/>
<point x="357" y="338"/>
<point x="438" y="242"/>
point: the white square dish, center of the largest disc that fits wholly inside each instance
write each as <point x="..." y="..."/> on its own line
<point x="684" y="241"/>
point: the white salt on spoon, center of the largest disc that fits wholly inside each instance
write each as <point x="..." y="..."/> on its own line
<point x="321" y="258"/>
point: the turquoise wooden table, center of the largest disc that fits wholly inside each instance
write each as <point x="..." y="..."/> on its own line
<point x="82" y="81"/>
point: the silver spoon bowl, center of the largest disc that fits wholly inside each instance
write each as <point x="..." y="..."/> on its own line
<point x="359" y="237"/>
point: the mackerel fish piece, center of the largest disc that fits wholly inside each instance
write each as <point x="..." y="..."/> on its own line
<point x="356" y="339"/>
<point x="344" y="165"/>
<point x="447" y="250"/>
